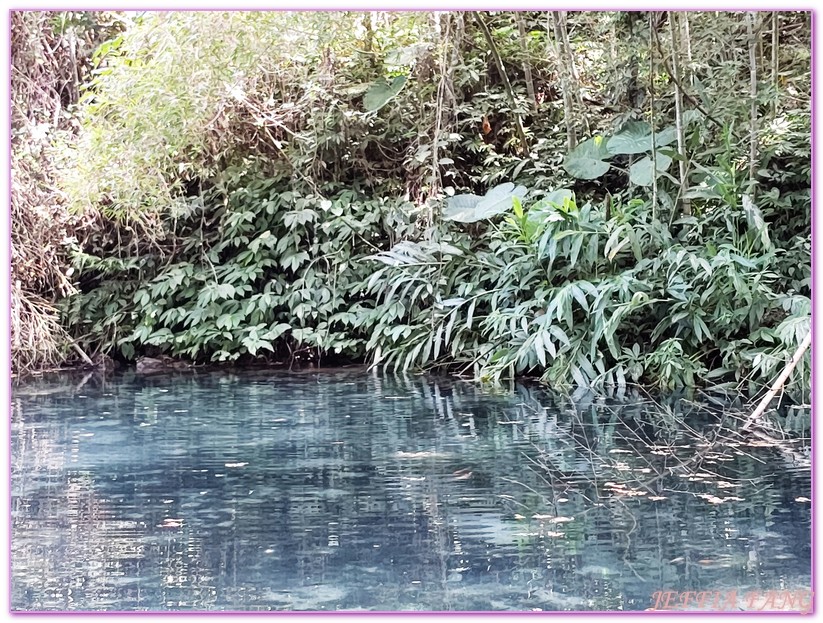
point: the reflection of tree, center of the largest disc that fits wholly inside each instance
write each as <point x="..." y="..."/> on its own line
<point x="340" y="490"/>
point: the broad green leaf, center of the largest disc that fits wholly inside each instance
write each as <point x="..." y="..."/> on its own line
<point x="640" y="172"/>
<point x="558" y="197"/>
<point x="461" y="208"/>
<point x="666" y="136"/>
<point x="382" y="92"/>
<point x="633" y="138"/>
<point x="585" y="161"/>
<point x="471" y="208"/>
<point x="499" y="200"/>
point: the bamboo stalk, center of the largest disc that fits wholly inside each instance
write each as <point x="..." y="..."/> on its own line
<point x="688" y="39"/>
<point x="775" y="62"/>
<point x="524" y="143"/>
<point x="565" y="85"/>
<point x="575" y="76"/>
<point x="527" y="68"/>
<point x="652" y="33"/>
<point x="753" y="98"/>
<point x="678" y="108"/>
<point x="779" y="382"/>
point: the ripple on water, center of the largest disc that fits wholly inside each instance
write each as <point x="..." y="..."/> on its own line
<point x="346" y="491"/>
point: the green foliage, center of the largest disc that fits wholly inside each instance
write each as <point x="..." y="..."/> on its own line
<point x="586" y="161"/>
<point x="262" y="271"/>
<point x="560" y="291"/>
<point x="352" y="185"/>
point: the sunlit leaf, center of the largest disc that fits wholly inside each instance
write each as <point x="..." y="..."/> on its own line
<point x="585" y="161"/>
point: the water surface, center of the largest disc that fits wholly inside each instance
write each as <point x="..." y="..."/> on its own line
<point x="346" y="491"/>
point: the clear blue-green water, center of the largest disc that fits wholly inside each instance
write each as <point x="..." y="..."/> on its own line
<point x="343" y="490"/>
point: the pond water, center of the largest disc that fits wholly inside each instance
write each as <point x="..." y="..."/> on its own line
<point x="348" y="491"/>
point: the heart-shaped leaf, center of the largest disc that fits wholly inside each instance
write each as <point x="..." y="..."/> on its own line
<point x="382" y="92"/>
<point x="585" y="161"/>
<point x="640" y="172"/>
<point x="471" y="208"/>
<point x="666" y="136"/>
<point x="460" y="208"/>
<point x="635" y="137"/>
<point x="499" y="200"/>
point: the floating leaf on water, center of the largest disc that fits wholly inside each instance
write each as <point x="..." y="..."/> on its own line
<point x="614" y="485"/>
<point x="635" y="492"/>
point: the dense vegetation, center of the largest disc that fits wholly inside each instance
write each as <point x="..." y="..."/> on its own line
<point x="592" y="198"/>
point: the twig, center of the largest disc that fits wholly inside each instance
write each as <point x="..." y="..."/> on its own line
<point x="779" y="382"/>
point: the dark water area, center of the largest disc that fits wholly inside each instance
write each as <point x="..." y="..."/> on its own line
<point x="348" y="491"/>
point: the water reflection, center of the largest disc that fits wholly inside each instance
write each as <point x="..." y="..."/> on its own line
<point x="343" y="490"/>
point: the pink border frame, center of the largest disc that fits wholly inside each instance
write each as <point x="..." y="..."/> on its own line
<point x="6" y="292"/>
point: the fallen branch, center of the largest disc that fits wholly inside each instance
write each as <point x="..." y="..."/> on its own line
<point x="80" y="352"/>
<point x="779" y="382"/>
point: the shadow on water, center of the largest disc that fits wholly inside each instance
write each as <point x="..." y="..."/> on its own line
<point x="343" y="490"/>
